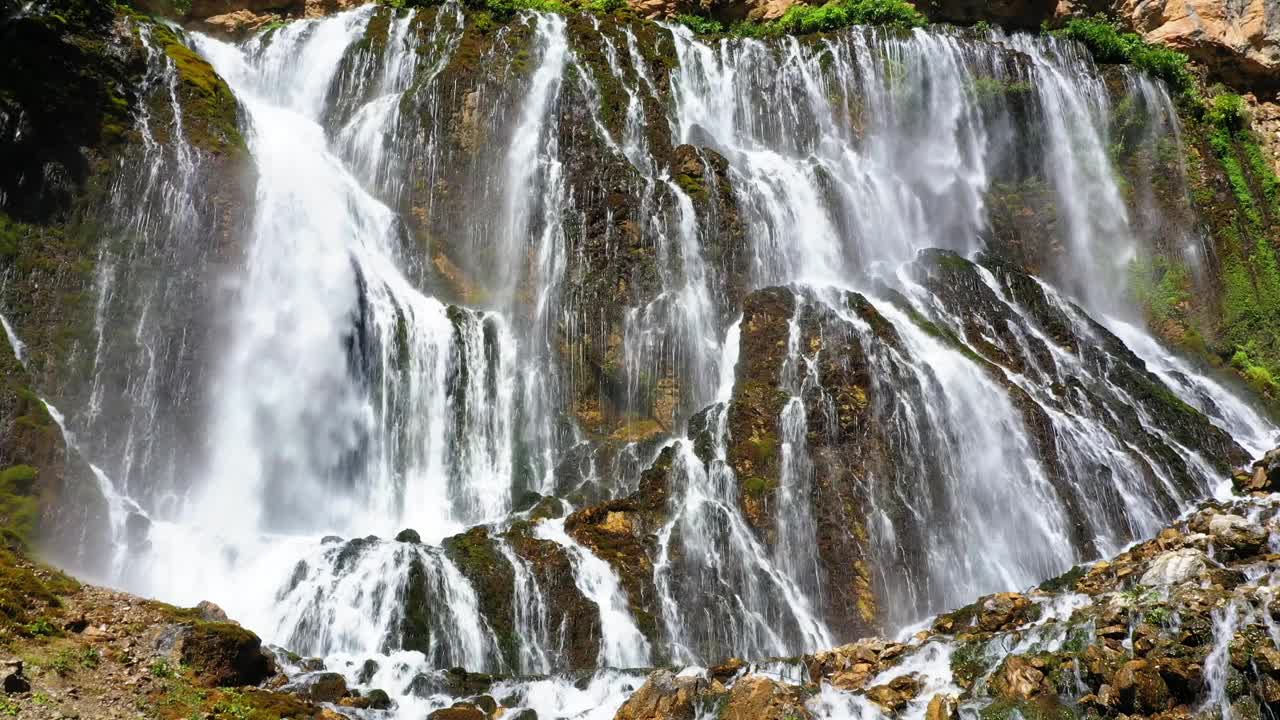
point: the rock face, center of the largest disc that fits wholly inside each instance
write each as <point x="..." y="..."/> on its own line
<point x="1238" y="41"/>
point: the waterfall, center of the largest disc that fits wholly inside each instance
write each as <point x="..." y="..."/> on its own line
<point x="487" y="263"/>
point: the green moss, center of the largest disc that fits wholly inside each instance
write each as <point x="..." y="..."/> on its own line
<point x="757" y="486"/>
<point x="1160" y="285"/>
<point x="1044" y="708"/>
<point x="969" y="662"/>
<point x="1065" y="581"/>
<point x="19" y="506"/>
<point x="804" y="19"/>
<point x="992" y="88"/>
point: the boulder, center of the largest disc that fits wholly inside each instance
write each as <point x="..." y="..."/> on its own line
<point x="408" y="536"/>
<point x="1175" y="567"/>
<point x="460" y="711"/>
<point x="222" y="654"/>
<point x="761" y="698"/>
<point x="894" y="695"/>
<point x="238" y="23"/>
<point x="327" y="687"/>
<point x="1018" y="679"/>
<point x="211" y="612"/>
<point x="942" y="707"/>
<point x="664" y="696"/>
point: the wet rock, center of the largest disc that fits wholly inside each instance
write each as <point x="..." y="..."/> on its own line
<point x="942" y="707"/>
<point x="895" y="694"/>
<point x="378" y="699"/>
<point x="329" y="687"/>
<point x="1176" y="566"/>
<point x="759" y="698"/>
<point x="1237" y="535"/>
<point x="664" y="696"/>
<point x="367" y="670"/>
<point x="1000" y="611"/>
<point x="408" y="536"/>
<point x="460" y="711"/>
<point x="727" y="670"/>
<point x="1141" y="688"/>
<point x="1263" y="476"/>
<point x="1019" y="679"/>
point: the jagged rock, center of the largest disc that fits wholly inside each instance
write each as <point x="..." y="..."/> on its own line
<point x="239" y="22"/>
<point x="367" y="670"/>
<point x="211" y="612"/>
<point x="1141" y="688"/>
<point x="895" y="694"/>
<point x="664" y="696"/>
<point x="1018" y="678"/>
<point x="1238" y="41"/>
<point x="725" y="671"/>
<point x="759" y="698"/>
<point x="1236" y="534"/>
<point x="942" y="707"/>
<point x="1174" y="567"/>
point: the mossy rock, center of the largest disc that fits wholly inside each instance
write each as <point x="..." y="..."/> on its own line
<point x="223" y="654"/>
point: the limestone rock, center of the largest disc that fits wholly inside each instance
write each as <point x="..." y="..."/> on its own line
<point x="664" y="696"/>
<point x="1174" y="567"/>
<point x="1018" y="678"/>
<point x="1238" y="41"/>
<point x="238" y="22"/>
<point x="760" y="698"/>
<point x="895" y="694"/>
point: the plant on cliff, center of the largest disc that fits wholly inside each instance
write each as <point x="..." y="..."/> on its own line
<point x="1108" y="44"/>
<point x="803" y="19"/>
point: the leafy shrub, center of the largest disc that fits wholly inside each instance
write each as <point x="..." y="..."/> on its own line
<point x="1108" y="44"/>
<point x="1227" y="112"/>
<point x="701" y="25"/>
<point x="805" y="19"/>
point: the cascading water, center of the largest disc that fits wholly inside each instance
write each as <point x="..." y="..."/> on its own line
<point x="413" y="339"/>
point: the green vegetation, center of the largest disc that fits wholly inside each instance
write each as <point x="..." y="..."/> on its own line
<point x="804" y="19"/>
<point x="19" y="507"/>
<point x="1250" y="270"/>
<point x="1160" y="285"/>
<point x="1109" y="44"/>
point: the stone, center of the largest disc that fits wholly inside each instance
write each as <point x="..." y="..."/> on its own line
<point x="760" y="698"/>
<point x="222" y="654"/>
<point x="895" y="694"/>
<point x="325" y="687"/>
<point x="460" y="711"/>
<point x="941" y="707"/>
<point x="725" y="671"/>
<point x="238" y="22"/>
<point x="378" y="699"/>
<point x="1175" y="567"/>
<point x="210" y="612"/>
<point x="1017" y="678"/>
<point x="367" y="671"/>
<point x="409" y="536"/>
<point x="1141" y="688"/>
<point x="664" y="696"/>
